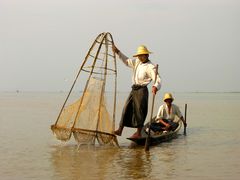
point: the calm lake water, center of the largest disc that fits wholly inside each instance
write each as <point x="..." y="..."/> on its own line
<point x="211" y="149"/>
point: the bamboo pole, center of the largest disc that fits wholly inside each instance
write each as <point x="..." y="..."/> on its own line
<point x="115" y="91"/>
<point x="94" y="62"/>
<point x="115" y="85"/>
<point x="147" y="142"/>
<point x="185" y="116"/>
<point x="104" y="83"/>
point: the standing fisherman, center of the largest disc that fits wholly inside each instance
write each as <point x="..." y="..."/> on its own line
<point x="136" y="107"/>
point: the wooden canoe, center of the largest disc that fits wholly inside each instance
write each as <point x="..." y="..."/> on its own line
<point x="156" y="138"/>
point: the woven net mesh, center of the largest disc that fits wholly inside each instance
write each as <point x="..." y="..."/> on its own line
<point x="62" y="134"/>
<point x="87" y="118"/>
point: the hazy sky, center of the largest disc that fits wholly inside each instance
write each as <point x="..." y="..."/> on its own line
<point x="195" y="42"/>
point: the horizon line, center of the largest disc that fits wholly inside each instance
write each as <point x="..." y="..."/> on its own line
<point x="61" y="91"/>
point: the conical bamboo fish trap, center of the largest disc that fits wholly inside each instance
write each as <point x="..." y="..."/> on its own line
<point x="92" y="116"/>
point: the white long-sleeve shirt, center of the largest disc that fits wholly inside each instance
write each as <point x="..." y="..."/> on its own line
<point x="143" y="73"/>
<point x="163" y="112"/>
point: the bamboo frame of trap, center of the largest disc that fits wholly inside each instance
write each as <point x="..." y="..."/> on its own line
<point x="103" y="39"/>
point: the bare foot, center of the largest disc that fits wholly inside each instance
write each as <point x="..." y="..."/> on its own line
<point x="118" y="132"/>
<point x="136" y="135"/>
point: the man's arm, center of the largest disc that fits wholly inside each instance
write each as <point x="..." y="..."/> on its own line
<point x="155" y="75"/>
<point x="179" y="114"/>
<point x="127" y="61"/>
<point x="160" y="120"/>
<point x="184" y="121"/>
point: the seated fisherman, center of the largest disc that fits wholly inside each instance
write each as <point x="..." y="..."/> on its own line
<point x="166" y="115"/>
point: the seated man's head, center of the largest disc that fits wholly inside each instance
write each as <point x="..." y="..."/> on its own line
<point x="168" y="98"/>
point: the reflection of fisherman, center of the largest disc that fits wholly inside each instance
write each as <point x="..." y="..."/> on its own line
<point x="166" y="115"/>
<point x="136" y="106"/>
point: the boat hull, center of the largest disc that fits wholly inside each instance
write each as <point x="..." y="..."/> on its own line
<point x="157" y="138"/>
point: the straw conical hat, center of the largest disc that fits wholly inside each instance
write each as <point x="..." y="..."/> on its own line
<point x="142" y="50"/>
<point x="168" y="96"/>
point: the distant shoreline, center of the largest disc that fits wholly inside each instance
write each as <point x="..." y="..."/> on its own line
<point x="193" y="92"/>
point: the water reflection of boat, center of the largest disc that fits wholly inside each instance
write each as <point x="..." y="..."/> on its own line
<point x="156" y="138"/>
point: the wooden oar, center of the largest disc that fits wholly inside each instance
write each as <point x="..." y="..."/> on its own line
<point x="147" y="142"/>
<point x="185" y="133"/>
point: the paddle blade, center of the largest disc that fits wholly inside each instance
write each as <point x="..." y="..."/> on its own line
<point x="147" y="143"/>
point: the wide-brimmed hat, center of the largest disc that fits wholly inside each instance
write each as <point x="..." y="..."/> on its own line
<point x="168" y="96"/>
<point x="142" y="50"/>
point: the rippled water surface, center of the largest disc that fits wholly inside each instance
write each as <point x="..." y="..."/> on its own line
<point x="209" y="151"/>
